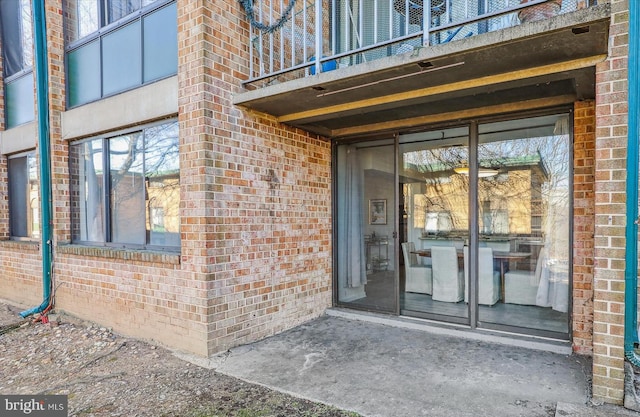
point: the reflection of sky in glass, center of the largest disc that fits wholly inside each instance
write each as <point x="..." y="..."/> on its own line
<point x="95" y="147"/>
<point x="27" y="36"/>
<point x="160" y="156"/>
<point x="87" y="17"/>
<point x="33" y="167"/>
<point x="161" y="149"/>
<point x="435" y="160"/>
<point x="125" y="152"/>
<point x="553" y="151"/>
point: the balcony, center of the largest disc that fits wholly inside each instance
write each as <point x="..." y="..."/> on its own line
<point x="388" y="65"/>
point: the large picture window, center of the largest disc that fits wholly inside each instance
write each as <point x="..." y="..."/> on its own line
<point x="126" y="188"/>
<point x="24" y="196"/>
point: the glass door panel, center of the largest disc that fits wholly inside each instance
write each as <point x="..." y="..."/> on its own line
<point x="366" y="226"/>
<point x="434" y="228"/>
<point x="524" y="203"/>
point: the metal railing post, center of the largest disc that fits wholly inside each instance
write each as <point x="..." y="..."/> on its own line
<point x="426" y="23"/>
<point x="319" y="51"/>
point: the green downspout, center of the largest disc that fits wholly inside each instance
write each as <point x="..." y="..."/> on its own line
<point x="631" y="230"/>
<point x="42" y="100"/>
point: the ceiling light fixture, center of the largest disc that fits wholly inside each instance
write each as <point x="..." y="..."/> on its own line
<point x="482" y="172"/>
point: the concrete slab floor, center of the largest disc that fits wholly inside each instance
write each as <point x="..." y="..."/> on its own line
<point x="381" y="370"/>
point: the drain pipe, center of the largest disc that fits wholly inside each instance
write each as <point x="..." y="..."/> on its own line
<point x="42" y="99"/>
<point x="631" y="230"/>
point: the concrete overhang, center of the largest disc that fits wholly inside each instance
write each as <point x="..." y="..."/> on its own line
<point x="532" y="65"/>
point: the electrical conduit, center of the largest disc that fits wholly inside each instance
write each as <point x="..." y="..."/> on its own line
<point x="42" y="100"/>
<point x="631" y="230"/>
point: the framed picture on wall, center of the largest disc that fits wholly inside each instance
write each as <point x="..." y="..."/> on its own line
<point x="378" y="211"/>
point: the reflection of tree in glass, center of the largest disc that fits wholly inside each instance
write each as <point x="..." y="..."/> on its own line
<point x="91" y="157"/>
<point x="27" y="34"/>
<point x="444" y="189"/>
<point x="142" y="166"/>
<point x="532" y="192"/>
<point x="550" y="196"/>
<point x="163" y="182"/>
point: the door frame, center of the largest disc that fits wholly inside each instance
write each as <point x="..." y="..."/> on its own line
<point x="472" y="320"/>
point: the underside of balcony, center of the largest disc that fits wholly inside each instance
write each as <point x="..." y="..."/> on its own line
<point x="533" y="65"/>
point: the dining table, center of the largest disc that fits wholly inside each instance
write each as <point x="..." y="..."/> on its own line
<point x="502" y="257"/>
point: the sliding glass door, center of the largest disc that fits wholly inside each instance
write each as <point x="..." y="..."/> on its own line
<point x="468" y="224"/>
<point x="366" y="225"/>
<point x="524" y="206"/>
<point x="434" y="177"/>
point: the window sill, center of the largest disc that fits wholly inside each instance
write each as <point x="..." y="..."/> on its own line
<point x="123" y="254"/>
<point x="30" y="245"/>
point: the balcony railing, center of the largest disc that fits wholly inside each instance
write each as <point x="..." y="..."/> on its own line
<point x="286" y="35"/>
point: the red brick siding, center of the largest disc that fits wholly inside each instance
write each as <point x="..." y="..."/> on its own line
<point x="21" y="275"/>
<point x="583" y="225"/>
<point x="141" y="294"/>
<point x="610" y="220"/>
<point x="256" y="194"/>
<point x="4" y="192"/>
<point x="4" y="198"/>
<point x="255" y="212"/>
<point x="59" y="148"/>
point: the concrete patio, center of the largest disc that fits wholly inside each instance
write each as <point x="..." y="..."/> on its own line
<point x="381" y="366"/>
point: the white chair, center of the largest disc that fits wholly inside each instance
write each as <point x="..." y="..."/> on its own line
<point x="448" y="279"/>
<point x="521" y="286"/>
<point x="553" y="290"/>
<point x="418" y="276"/>
<point x="488" y="278"/>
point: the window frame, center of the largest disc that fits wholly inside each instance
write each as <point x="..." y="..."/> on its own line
<point x="29" y="219"/>
<point x="109" y="27"/>
<point x="107" y="209"/>
<point x="105" y="30"/>
<point x="26" y="67"/>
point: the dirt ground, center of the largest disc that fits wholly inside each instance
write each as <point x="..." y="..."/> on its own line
<point x="105" y="374"/>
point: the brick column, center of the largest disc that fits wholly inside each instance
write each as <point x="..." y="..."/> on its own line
<point x="610" y="245"/>
<point x="583" y="224"/>
<point x="57" y="102"/>
<point x="4" y="191"/>
<point x="256" y="194"/>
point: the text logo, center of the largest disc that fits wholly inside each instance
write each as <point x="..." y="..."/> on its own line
<point x="33" y="405"/>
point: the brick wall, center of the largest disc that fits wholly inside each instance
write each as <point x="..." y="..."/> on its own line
<point x="20" y="264"/>
<point x="583" y="225"/>
<point x="255" y="212"/>
<point x="21" y="272"/>
<point x="59" y="149"/>
<point x="4" y="196"/>
<point x="4" y="192"/>
<point x="256" y="194"/>
<point x="611" y="142"/>
<point x="138" y="293"/>
<point x="4" y="180"/>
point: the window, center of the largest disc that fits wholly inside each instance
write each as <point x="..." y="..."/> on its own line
<point x="126" y="188"/>
<point x="17" y="60"/>
<point x="17" y="36"/>
<point x="85" y="17"/>
<point x="141" y="48"/>
<point x="24" y="196"/>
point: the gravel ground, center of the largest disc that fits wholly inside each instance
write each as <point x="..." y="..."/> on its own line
<point x="105" y="374"/>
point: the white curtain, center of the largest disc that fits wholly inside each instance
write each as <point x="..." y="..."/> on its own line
<point x="350" y="245"/>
